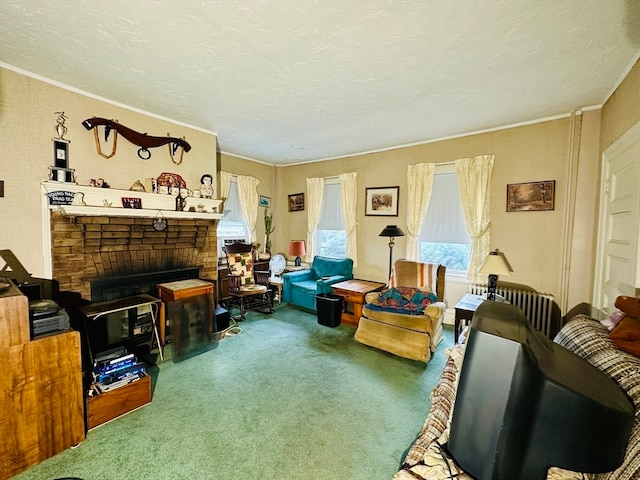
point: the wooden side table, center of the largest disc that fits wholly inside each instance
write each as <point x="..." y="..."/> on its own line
<point x="465" y="308"/>
<point x="353" y="292"/>
<point x="188" y="307"/>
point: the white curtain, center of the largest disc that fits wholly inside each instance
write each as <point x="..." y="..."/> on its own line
<point x="349" y="195"/>
<point x="315" y="190"/>
<point x="474" y="179"/>
<point x="249" y="200"/>
<point x="420" y="183"/>
<point x="225" y="185"/>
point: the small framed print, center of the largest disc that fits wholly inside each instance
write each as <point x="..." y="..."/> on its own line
<point x="531" y="196"/>
<point x="296" y="202"/>
<point x="265" y="201"/>
<point x="131" y="202"/>
<point x="60" y="153"/>
<point x="382" y="201"/>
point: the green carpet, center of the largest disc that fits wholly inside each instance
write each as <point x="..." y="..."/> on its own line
<point x="285" y="399"/>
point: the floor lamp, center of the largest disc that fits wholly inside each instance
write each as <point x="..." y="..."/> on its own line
<point x="391" y="231"/>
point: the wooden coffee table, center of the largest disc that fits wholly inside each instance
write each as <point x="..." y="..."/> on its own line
<point x="353" y="292"/>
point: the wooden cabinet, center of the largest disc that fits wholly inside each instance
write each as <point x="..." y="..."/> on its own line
<point x="41" y="398"/>
<point x="119" y="401"/>
<point x="188" y="309"/>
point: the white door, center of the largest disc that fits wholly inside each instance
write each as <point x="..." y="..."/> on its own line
<point x="618" y="271"/>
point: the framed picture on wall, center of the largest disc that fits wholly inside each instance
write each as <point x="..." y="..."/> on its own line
<point x="531" y="196"/>
<point x="265" y="201"/>
<point x="382" y="201"/>
<point x="296" y="202"/>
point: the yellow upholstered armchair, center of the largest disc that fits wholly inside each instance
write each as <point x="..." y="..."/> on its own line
<point x="406" y="318"/>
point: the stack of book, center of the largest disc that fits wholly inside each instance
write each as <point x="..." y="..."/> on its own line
<point x="116" y="368"/>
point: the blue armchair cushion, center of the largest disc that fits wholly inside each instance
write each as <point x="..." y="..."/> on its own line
<point x="301" y="287"/>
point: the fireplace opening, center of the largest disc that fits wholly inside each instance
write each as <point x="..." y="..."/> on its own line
<point x="114" y="288"/>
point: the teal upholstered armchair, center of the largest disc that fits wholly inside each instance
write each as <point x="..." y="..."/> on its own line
<point x="301" y="287"/>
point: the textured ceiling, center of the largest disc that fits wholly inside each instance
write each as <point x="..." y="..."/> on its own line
<point x="291" y="81"/>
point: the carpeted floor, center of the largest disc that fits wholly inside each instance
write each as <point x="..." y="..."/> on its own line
<point x="285" y="399"/>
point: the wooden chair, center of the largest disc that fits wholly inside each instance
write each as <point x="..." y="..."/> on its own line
<point x="248" y="289"/>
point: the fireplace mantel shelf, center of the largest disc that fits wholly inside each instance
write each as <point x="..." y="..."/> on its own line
<point x="152" y="203"/>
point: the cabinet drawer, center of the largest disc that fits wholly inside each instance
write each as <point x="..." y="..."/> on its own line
<point x="350" y="296"/>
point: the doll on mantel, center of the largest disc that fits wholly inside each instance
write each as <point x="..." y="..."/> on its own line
<point x="206" y="187"/>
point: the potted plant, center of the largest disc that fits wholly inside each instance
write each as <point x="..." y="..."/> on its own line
<point x="268" y="230"/>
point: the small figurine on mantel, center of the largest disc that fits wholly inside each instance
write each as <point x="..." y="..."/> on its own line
<point x="61" y="129"/>
<point x="137" y="187"/>
<point x="60" y="171"/>
<point x="100" y="183"/>
<point x="206" y="186"/>
<point x="181" y="202"/>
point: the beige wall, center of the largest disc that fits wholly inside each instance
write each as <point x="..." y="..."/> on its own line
<point x="538" y="244"/>
<point x="27" y="122"/>
<point x="622" y="110"/>
<point x="531" y="240"/>
<point x="550" y="251"/>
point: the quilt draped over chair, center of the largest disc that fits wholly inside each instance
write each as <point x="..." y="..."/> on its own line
<point x="248" y="288"/>
<point x="406" y="318"/>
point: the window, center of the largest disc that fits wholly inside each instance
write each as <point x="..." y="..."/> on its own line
<point x="444" y="238"/>
<point x="232" y="227"/>
<point x="331" y="239"/>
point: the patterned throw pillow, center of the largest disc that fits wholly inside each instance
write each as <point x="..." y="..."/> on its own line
<point x="241" y="265"/>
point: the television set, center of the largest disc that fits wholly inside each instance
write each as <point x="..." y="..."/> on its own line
<point x="525" y="404"/>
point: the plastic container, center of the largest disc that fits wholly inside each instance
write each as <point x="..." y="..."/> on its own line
<point x="329" y="309"/>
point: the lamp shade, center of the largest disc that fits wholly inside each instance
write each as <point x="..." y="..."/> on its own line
<point x="391" y="231"/>
<point x="496" y="264"/>
<point x="297" y="248"/>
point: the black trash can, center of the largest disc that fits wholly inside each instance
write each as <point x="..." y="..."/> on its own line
<point x="221" y="321"/>
<point x="329" y="309"/>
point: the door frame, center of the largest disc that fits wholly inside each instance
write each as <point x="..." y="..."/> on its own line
<point x="628" y="139"/>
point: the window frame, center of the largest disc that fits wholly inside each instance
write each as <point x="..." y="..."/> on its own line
<point x="317" y="233"/>
<point x="445" y="169"/>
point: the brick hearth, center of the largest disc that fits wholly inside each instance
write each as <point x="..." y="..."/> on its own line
<point x="88" y="247"/>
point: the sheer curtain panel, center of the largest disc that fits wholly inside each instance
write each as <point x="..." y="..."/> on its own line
<point x="315" y="190"/>
<point x="249" y="200"/>
<point x="349" y="194"/>
<point x="474" y="179"/>
<point x="420" y="184"/>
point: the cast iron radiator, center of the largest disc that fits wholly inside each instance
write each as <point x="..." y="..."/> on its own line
<point x="540" y="308"/>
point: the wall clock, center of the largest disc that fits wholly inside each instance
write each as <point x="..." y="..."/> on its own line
<point x="159" y="223"/>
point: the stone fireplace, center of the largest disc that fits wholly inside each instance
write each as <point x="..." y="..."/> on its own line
<point x="97" y="237"/>
<point x="88" y="248"/>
